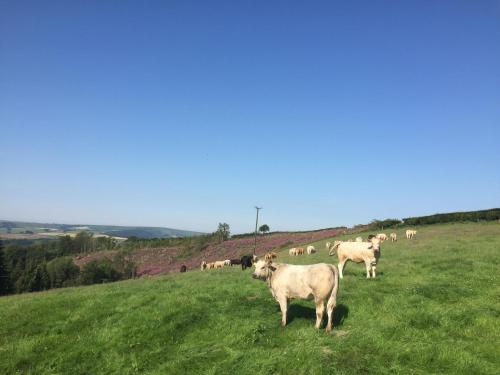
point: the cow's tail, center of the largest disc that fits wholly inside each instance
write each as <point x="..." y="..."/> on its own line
<point x="333" y="295"/>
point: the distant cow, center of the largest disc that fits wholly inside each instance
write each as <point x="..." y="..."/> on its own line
<point x="183" y="268"/>
<point x="358" y="252"/>
<point x="292" y="251"/>
<point x="219" y="264"/>
<point x="300" y="251"/>
<point x="359" y="239"/>
<point x="203" y="265"/>
<point x="235" y="262"/>
<point x="311" y="249"/>
<point x="394" y="237"/>
<point x="246" y="262"/>
<point x="227" y="262"/>
<point x="327" y="245"/>
<point x="286" y="281"/>
<point x="410" y="233"/>
<point x="382" y="237"/>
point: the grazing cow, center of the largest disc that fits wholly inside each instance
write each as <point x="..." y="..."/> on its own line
<point x="287" y="281"/>
<point x="219" y="264"/>
<point x="203" y="265"/>
<point x="183" y="268"/>
<point x="358" y="252"/>
<point x="311" y="249"/>
<point x="293" y="251"/>
<point x="227" y="262"/>
<point x="327" y="245"/>
<point x="246" y="262"/>
<point x="235" y="261"/>
<point x="394" y="237"/>
<point x="300" y="251"/>
<point x="270" y="256"/>
<point x="410" y="233"/>
<point x="359" y="239"/>
<point x="382" y="237"/>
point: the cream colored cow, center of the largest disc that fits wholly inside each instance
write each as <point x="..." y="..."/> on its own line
<point x="358" y="252"/>
<point x="410" y="233"/>
<point x="219" y="264"/>
<point x="382" y="237"/>
<point x="327" y="245"/>
<point x="394" y="237"/>
<point x="311" y="249"/>
<point x="286" y="281"/>
<point x="203" y="265"/>
<point x="292" y="251"/>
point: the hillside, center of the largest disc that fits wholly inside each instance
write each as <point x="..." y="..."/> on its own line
<point x="28" y="230"/>
<point x="159" y="260"/>
<point x="433" y="308"/>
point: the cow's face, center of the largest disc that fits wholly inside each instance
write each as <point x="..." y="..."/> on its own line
<point x="262" y="270"/>
<point x="376" y="243"/>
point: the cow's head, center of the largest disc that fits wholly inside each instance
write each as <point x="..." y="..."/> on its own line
<point x="263" y="269"/>
<point x="375" y="243"/>
<point x="335" y="246"/>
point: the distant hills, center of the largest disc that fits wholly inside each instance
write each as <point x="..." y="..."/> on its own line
<point x="29" y="228"/>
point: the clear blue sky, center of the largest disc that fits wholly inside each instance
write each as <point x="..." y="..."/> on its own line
<point x="185" y="114"/>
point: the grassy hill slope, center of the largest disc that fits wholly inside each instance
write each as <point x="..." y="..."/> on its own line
<point x="434" y="308"/>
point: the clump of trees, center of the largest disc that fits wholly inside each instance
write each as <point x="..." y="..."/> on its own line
<point x="50" y="265"/>
<point x="264" y="228"/>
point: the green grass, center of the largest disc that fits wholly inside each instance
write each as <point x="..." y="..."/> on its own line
<point x="434" y="308"/>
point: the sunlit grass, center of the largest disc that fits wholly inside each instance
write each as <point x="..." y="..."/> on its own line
<point x="433" y="308"/>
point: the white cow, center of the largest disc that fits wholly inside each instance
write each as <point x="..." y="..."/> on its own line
<point x="286" y="281"/>
<point x="328" y="244"/>
<point x="394" y="237"/>
<point x="292" y="251"/>
<point x="311" y="249"/>
<point x="227" y="262"/>
<point x="358" y="252"/>
<point x="410" y="233"/>
<point x="382" y="237"/>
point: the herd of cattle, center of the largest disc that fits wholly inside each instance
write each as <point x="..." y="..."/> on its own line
<point x="315" y="281"/>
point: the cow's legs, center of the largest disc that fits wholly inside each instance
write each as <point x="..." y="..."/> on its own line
<point x="283" y="305"/>
<point x="332" y="301"/>
<point x="320" y="308"/>
<point x="373" y="271"/>
<point x="341" y="268"/>
<point x="368" y="268"/>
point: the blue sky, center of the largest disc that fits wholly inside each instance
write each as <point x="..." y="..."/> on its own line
<point x="185" y="114"/>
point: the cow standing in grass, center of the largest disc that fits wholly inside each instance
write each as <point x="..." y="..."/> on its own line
<point x="246" y="262"/>
<point x="358" y="252"/>
<point x="288" y="281"/>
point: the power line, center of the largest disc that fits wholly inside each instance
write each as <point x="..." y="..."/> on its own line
<point x="256" y="223"/>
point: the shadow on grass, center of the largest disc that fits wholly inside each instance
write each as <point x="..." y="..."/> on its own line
<point x="340" y="313"/>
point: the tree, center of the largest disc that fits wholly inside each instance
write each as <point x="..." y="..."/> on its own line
<point x="223" y="232"/>
<point x="62" y="272"/>
<point x="5" y="284"/>
<point x="264" y="228"/>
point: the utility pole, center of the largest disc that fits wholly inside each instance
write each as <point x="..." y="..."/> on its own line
<point x="256" y="223"/>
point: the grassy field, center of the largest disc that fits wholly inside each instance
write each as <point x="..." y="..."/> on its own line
<point x="434" y="308"/>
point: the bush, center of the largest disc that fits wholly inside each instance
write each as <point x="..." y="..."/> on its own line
<point x="99" y="271"/>
<point x="62" y="272"/>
